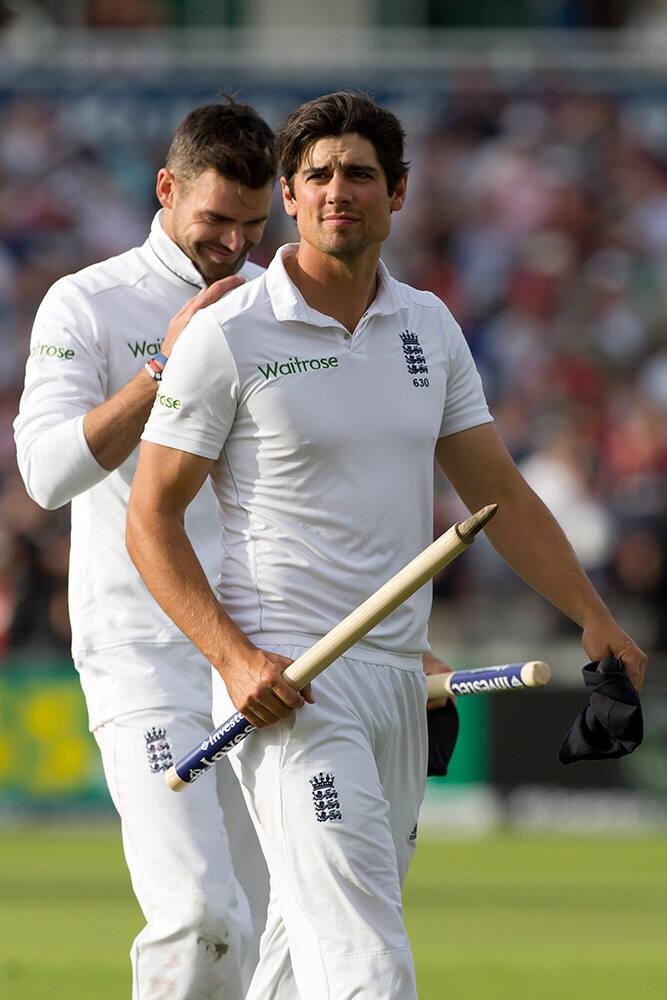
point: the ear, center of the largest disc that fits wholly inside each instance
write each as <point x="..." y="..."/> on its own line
<point x="289" y="201"/>
<point x="398" y="197"/>
<point x="165" y="188"/>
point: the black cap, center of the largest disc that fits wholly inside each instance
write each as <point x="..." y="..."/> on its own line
<point x="611" y="724"/>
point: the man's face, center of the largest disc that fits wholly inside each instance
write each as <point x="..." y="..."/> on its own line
<point x="340" y="201"/>
<point x="214" y="220"/>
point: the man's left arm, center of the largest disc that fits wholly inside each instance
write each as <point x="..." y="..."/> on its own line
<point x="530" y="540"/>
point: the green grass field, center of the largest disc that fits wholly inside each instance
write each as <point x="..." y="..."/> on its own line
<point x="509" y="918"/>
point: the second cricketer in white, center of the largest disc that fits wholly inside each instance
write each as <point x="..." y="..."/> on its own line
<point x="323" y="448"/>
<point x="147" y="689"/>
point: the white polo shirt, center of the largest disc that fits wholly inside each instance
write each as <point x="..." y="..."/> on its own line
<point x="323" y="445"/>
<point x="93" y="332"/>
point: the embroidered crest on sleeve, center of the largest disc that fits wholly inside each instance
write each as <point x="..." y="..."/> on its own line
<point x="158" y="750"/>
<point x="413" y="354"/>
<point x="325" y="798"/>
<point x="413" y="834"/>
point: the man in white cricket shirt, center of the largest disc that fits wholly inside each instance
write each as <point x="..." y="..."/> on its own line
<point x="316" y="398"/>
<point x="99" y="347"/>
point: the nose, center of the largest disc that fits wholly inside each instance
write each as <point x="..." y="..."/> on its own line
<point x="232" y="238"/>
<point x="337" y="189"/>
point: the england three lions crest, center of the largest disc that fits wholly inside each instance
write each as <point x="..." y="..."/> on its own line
<point x="325" y="798"/>
<point x="415" y="361"/>
<point x="158" y="750"/>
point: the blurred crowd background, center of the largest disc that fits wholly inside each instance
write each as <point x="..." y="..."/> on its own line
<point x="537" y="210"/>
<point x="494" y="14"/>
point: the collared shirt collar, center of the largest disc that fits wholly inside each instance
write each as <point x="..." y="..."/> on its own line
<point x="171" y="255"/>
<point x="289" y="304"/>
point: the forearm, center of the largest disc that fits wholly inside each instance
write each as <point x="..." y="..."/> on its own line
<point x="531" y="541"/>
<point x="113" y="429"/>
<point x="59" y="459"/>
<point x="162" y="553"/>
<point x="524" y="531"/>
<point x="56" y="463"/>
<point x="528" y="537"/>
<point x="160" y="549"/>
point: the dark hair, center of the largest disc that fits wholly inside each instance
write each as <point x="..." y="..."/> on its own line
<point x="231" y="138"/>
<point x="340" y="114"/>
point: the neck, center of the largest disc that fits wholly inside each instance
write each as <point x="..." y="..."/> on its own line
<point x="343" y="289"/>
<point x="166" y="223"/>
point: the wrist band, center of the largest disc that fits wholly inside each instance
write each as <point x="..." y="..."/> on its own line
<point x="156" y="366"/>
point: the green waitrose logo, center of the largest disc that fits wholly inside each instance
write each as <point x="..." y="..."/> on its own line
<point x="52" y="351"/>
<point x="169" y="402"/>
<point x="274" y="369"/>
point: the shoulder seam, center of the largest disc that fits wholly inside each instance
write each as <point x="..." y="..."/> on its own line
<point x="80" y="282"/>
<point x="117" y="285"/>
<point x="408" y="295"/>
<point x="266" y="300"/>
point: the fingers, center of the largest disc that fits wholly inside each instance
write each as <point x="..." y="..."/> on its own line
<point x="265" y="707"/>
<point x="264" y="697"/>
<point x="440" y="702"/>
<point x="439" y="696"/>
<point x="307" y="694"/>
<point x="632" y="658"/>
<point x="287" y="696"/>
<point x="634" y="663"/>
<point x="216" y="291"/>
<point x="604" y="638"/>
<point x="432" y="665"/>
<point x="207" y="296"/>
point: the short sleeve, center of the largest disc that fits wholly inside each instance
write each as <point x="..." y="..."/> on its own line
<point x="465" y="403"/>
<point x="196" y="401"/>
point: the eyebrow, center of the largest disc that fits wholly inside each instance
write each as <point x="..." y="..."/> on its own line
<point x="368" y="167"/>
<point x="216" y="217"/>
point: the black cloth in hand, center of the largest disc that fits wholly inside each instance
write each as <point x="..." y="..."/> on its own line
<point x="443" y="729"/>
<point x="611" y="724"/>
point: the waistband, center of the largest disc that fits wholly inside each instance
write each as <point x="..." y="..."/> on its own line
<point x="360" y="652"/>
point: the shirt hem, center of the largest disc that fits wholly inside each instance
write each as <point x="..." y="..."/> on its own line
<point x="99" y="647"/>
<point x="411" y="662"/>
<point x="97" y="719"/>
<point x="465" y="425"/>
<point x="180" y="442"/>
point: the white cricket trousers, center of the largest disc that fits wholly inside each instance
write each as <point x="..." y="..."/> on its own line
<point x="185" y="861"/>
<point x="335" y="792"/>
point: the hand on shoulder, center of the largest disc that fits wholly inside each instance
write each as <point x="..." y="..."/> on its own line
<point x="206" y="297"/>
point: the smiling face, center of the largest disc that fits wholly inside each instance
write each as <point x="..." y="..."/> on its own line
<point x="339" y="198"/>
<point x="215" y="221"/>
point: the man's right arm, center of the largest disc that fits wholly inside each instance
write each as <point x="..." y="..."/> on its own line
<point x="65" y="377"/>
<point x="114" y="428"/>
<point x="165" y="482"/>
